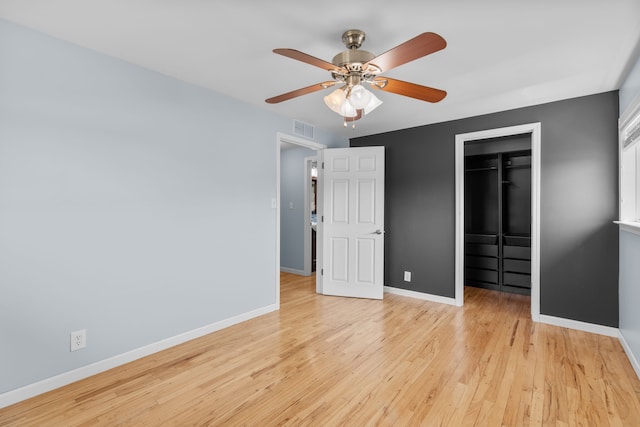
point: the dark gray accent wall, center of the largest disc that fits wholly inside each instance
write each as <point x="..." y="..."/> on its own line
<point x="579" y="201"/>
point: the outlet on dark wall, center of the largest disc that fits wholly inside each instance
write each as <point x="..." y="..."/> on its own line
<point x="578" y="204"/>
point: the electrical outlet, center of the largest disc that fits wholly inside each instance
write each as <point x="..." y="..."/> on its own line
<point x="78" y="340"/>
<point x="407" y="276"/>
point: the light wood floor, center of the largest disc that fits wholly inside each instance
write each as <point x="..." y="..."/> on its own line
<point x="347" y="362"/>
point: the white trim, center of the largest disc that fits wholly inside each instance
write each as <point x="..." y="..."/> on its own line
<point x="293" y="271"/>
<point x="629" y="192"/>
<point x="277" y="203"/>
<point x="420" y="295"/>
<point x="320" y="224"/>
<point x="308" y="164"/>
<point x="283" y="137"/>
<point x="280" y="138"/>
<point x="631" y="227"/>
<point x="31" y="390"/>
<point x="535" y="130"/>
<point x="579" y="326"/>
<point x="627" y="349"/>
<point x="459" y="213"/>
<point x="630" y="112"/>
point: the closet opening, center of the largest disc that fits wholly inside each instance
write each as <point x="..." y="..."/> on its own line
<point x="497" y="213"/>
<point x="313" y="203"/>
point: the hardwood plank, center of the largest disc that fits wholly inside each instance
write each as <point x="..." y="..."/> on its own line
<point x="344" y="361"/>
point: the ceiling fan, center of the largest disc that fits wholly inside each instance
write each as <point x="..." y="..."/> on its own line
<point x="354" y="67"/>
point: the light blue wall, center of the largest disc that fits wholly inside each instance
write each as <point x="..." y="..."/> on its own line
<point x="292" y="218"/>
<point x="629" y="281"/>
<point x="292" y="181"/>
<point x="630" y="88"/>
<point x="132" y="205"/>
<point x="630" y="290"/>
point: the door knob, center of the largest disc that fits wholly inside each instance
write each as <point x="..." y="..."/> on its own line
<point x="378" y="231"/>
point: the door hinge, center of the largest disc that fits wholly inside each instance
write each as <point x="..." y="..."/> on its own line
<point x="322" y="218"/>
<point x="322" y="165"/>
<point x="322" y="271"/>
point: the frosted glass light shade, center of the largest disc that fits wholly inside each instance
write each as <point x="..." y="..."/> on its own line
<point x="347" y="110"/>
<point x="335" y="99"/>
<point x="338" y="103"/>
<point x="359" y="97"/>
<point x="374" y="103"/>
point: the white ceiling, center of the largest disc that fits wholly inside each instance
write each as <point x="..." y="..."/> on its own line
<point x="501" y="54"/>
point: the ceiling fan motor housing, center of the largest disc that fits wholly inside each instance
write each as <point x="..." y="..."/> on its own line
<point x="352" y="59"/>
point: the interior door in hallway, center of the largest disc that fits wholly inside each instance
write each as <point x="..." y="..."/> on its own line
<point x="353" y="222"/>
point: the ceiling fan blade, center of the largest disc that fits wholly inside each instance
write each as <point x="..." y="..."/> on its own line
<point x="417" y="47"/>
<point x="312" y="60"/>
<point x="412" y="90"/>
<point x="299" y="92"/>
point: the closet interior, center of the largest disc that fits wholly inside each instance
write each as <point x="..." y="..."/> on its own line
<point x="497" y="214"/>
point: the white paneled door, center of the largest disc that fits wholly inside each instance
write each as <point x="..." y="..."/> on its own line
<point x="353" y="223"/>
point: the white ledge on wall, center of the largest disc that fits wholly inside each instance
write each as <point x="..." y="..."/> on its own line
<point x="631" y="227"/>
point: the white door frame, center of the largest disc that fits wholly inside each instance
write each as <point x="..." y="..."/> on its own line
<point x="308" y="164"/>
<point x="534" y="129"/>
<point x="280" y="138"/>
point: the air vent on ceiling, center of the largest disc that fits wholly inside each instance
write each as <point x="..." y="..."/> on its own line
<point x="303" y="129"/>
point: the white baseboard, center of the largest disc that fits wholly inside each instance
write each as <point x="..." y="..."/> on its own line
<point x="31" y="390"/>
<point x="551" y="320"/>
<point x="629" y="353"/>
<point x="292" y="271"/>
<point x="420" y="295"/>
<point x="579" y="326"/>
